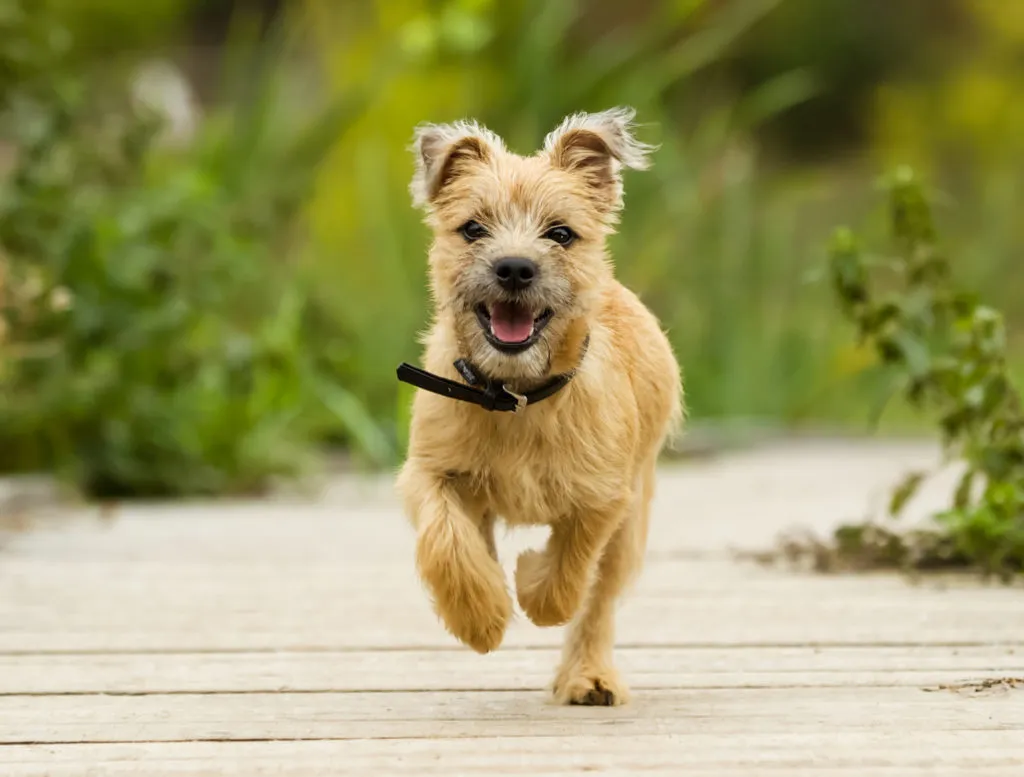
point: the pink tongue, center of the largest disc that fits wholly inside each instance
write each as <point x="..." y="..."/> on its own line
<point x="511" y="323"/>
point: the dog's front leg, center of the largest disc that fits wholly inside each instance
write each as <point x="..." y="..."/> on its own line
<point x="550" y="584"/>
<point x="454" y="559"/>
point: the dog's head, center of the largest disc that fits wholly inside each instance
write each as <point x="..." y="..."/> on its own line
<point x="519" y="259"/>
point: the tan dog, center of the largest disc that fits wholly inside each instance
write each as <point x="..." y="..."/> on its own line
<point x="524" y="293"/>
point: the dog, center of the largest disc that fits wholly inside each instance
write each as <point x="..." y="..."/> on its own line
<point x="550" y="390"/>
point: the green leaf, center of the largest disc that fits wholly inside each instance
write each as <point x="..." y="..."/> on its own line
<point x="914" y="352"/>
<point x="777" y="95"/>
<point x="357" y="421"/>
<point x="964" y="490"/>
<point x="904" y="492"/>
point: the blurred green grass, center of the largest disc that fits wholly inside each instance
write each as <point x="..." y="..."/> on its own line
<point x="305" y="137"/>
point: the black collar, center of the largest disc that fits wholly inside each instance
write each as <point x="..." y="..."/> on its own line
<point x="488" y="393"/>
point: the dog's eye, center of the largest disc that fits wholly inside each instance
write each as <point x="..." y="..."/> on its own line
<point x="561" y="235"/>
<point x="472" y="230"/>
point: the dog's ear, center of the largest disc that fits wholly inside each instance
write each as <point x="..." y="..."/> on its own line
<point x="445" y="151"/>
<point x="597" y="146"/>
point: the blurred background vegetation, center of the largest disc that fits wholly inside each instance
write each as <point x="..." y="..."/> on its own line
<point x="209" y="266"/>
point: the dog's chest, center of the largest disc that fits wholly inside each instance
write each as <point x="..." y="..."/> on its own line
<point x="528" y="495"/>
<point x="540" y="479"/>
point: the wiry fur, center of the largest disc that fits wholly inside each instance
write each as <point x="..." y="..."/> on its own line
<point x="581" y="462"/>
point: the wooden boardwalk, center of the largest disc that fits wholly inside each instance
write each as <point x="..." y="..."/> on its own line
<point x="291" y="638"/>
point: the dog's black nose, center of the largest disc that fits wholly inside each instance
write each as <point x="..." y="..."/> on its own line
<point x="514" y="273"/>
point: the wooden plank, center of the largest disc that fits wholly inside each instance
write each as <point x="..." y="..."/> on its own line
<point x="291" y="638"/>
<point x="83" y="606"/>
<point x="437" y="670"/>
<point x="840" y="753"/>
<point x="69" y="719"/>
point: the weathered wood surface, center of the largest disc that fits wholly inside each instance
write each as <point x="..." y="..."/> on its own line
<point x="291" y="638"/>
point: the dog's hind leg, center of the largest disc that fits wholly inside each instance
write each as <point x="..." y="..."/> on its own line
<point x="587" y="674"/>
<point x="455" y="559"/>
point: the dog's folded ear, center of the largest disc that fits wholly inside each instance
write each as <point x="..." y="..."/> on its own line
<point x="597" y="146"/>
<point x="445" y="151"/>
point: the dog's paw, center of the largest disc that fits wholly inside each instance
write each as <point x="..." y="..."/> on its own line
<point x="471" y="597"/>
<point x="474" y="605"/>
<point x="485" y="633"/>
<point x="476" y="614"/>
<point x="591" y="688"/>
<point x="542" y="595"/>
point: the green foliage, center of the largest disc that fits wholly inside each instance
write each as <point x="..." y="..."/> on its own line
<point x="966" y="113"/>
<point x="115" y="27"/>
<point x="279" y="248"/>
<point x="828" y="36"/>
<point x="946" y="354"/>
<point x="154" y="339"/>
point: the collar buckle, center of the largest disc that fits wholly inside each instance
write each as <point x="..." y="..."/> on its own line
<point x="520" y="399"/>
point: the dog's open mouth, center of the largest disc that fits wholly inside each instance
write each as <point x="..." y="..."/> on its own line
<point x="511" y="327"/>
